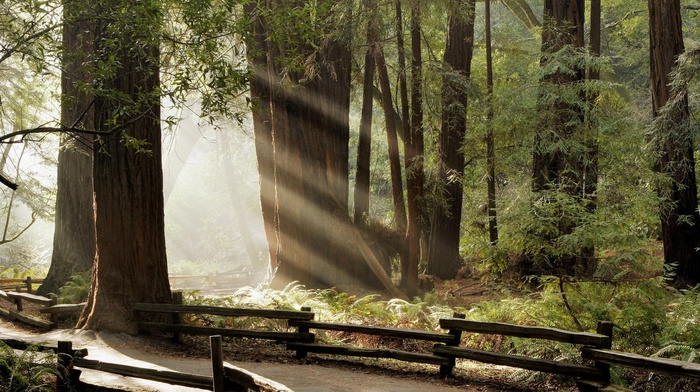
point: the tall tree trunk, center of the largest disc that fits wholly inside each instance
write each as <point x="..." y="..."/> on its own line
<point x="131" y="264"/>
<point x="392" y="142"/>
<point x="364" y="145"/>
<point x="680" y="222"/>
<point x="561" y="169"/>
<point x="310" y="138"/>
<point x="408" y="283"/>
<point x="444" y="260"/>
<point x="414" y="151"/>
<point x="260" y="96"/>
<point x="74" y="234"/>
<point x="490" y="143"/>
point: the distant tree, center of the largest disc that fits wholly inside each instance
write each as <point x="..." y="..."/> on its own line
<point x="364" y="144"/>
<point x="673" y="139"/>
<point x="131" y="264"/>
<point x="74" y="233"/>
<point x="559" y="156"/>
<point x="444" y="259"/>
<point x="490" y="142"/>
<point x="414" y="156"/>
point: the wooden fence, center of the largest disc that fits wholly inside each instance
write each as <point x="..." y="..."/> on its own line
<point x="224" y="376"/>
<point x="592" y="373"/>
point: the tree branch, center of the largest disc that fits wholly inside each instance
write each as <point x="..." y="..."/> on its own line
<point x="8" y="183"/>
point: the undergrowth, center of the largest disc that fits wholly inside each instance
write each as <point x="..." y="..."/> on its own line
<point x="31" y="370"/>
<point x="649" y="318"/>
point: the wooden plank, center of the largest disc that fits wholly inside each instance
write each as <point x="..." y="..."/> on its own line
<point x="22" y="345"/>
<point x="14" y="281"/>
<point x="31" y="320"/>
<point x="370" y="353"/>
<point x="523" y="331"/>
<point x="3" y="295"/>
<point x="251" y="382"/>
<point x="671" y="367"/>
<point x="239" y="333"/>
<point x="220" y="311"/>
<point x="519" y="361"/>
<point x="37" y="299"/>
<point x="63" y="308"/>
<point x="166" y="376"/>
<point x="379" y="331"/>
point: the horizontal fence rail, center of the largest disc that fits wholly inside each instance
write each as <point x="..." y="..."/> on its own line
<point x="231" y="378"/>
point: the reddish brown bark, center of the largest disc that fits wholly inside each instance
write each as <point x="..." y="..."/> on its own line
<point x="680" y="222"/>
<point x="262" y="124"/>
<point x="444" y="260"/>
<point x="364" y="145"/>
<point x="414" y="150"/>
<point x="74" y="234"/>
<point x="131" y="264"/>
<point x="392" y="141"/>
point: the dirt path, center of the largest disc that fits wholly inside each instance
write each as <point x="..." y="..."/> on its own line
<point x="130" y="350"/>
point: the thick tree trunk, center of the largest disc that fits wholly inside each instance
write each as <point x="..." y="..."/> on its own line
<point x="310" y="137"/>
<point x="131" y="264"/>
<point x="680" y="222"/>
<point x="74" y="234"/>
<point x="444" y="260"/>
<point x="260" y="96"/>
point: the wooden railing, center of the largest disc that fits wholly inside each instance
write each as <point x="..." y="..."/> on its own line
<point x="25" y="284"/>
<point x="224" y="376"/>
<point x="18" y="312"/>
<point x="595" y="348"/>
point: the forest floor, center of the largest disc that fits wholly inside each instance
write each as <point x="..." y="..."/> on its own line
<point x="313" y="374"/>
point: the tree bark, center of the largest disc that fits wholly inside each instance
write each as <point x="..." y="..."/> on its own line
<point x="490" y="142"/>
<point x="131" y="264"/>
<point x="444" y="260"/>
<point x="261" y="98"/>
<point x="557" y="169"/>
<point x="680" y="221"/>
<point x="74" y="233"/>
<point x="392" y="141"/>
<point x="364" y="145"/>
<point x="414" y="150"/>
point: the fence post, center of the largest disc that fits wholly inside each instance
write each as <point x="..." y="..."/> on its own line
<point x="177" y="318"/>
<point x="605" y="328"/>
<point x="301" y="354"/>
<point x="28" y="282"/>
<point x="217" y="363"/>
<point x="65" y="366"/>
<point x="446" y="370"/>
<point x="53" y="316"/>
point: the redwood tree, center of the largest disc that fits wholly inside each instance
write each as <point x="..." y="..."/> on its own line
<point x="130" y="265"/>
<point x="309" y="107"/>
<point x="680" y="222"/>
<point x="74" y="234"/>
<point x="414" y="150"/>
<point x="443" y="258"/>
<point x="559" y="154"/>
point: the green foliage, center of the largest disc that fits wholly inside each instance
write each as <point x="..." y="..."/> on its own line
<point x="76" y="290"/>
<point x="681" y="334"/>
<point x="32" y="370"/>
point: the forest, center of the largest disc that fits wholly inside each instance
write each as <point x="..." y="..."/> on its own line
<point x="403" y="149"/>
